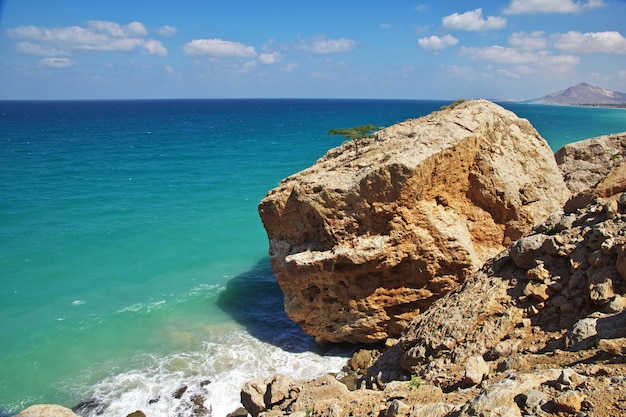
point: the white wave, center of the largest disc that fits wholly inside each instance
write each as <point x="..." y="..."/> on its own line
<point x="213" y="377"/>
<point x="146" y="308"/>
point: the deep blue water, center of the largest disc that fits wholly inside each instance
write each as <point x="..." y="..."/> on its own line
<point x="132" y="258"/>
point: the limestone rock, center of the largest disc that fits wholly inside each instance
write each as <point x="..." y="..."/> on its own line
<point x="476" y="369"/>
<point x="593" y="168"/>
<point x="360" y="245"/>
<point x="586" y="163"/>
<point x="47" y="410"/>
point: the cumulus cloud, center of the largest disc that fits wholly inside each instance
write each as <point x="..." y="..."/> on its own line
<point x="577" y="42"/>
<point x="501" y="54"/>
<point x="96" y="35"/>
<point x="321" y="45"/>
<point x="167" y="31"/>
<point x="57" y="63"/>
<point x="528" y="41"/>
<point x="437" y="43"/>
<point x="551" y="6"/>
<point x="218" y="48"/>
<point x="473" y="20"/>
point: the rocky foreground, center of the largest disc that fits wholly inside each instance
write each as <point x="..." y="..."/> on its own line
<point x="537" y="330"/>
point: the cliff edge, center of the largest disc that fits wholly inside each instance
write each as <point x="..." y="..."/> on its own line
<point x="362" y="243"/>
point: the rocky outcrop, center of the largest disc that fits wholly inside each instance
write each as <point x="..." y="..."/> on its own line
<point x="539" y="330"/>
<point x="592" y="168"/>
<point x="361" y="244"/>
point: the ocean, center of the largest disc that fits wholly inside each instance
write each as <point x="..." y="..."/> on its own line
<point x="133" y="264"/>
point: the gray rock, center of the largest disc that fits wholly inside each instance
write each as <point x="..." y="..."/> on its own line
<point x="526" y="251"/>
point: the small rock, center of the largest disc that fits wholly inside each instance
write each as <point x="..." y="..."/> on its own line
<point x="616" y="347"/>
<point x="570" y="401"/>
<point x="397" y="408"/>
<point x="538" y="273"/>
<point x="526" y="250"/>
<point x="530" y="402"/>
<point x="363" y="359"/>
<point x="240" y="412"/>
<point x="571" y="378"/>
<point x="566" y="222"/>
<point x="476" y="369"/>
<point x="537" y="290"/>
<point x="582" y="335"/>
<point x="616" y="305"/>
<point x="504" y="349"/>
<point x="278" y="389"/>
<point x="178" y="394"/>
<point x="137" y="413"/>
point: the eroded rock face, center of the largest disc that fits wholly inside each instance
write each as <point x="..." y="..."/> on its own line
<point x="361" y="244"/>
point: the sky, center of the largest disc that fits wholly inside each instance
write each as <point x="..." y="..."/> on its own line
<point x="422" y="49"/>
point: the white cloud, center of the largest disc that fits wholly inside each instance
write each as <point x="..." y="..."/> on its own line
<point x="97" y="35"/>
<point x="557" y="63"/>
<point x="167" y="31"/>
<point x="473" y="20"/>
<point x="551" y="6"/>
<point x="269" y="58"/>
<point x="576" y="42"/>
<point x="321" y="45"/>
<point x="528" y="41"/>
<point x="57" y="63"/>
<point x="218" y="48"/>
<point x="499" y="54"/>
<point x="437" y="43"/>
<point x="153" y="47"/>
<point x="543" y="59"/>
<point x="29" y="48"/>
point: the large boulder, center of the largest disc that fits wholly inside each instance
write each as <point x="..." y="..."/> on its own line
<point x="362" y="242"/>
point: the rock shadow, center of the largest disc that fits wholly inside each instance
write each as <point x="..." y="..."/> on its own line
<point x="255" y="300"/>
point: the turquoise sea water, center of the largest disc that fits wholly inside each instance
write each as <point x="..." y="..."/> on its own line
<point x="132" y="258"/>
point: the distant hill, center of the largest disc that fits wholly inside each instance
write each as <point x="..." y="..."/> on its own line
<point x="583" y="94"/>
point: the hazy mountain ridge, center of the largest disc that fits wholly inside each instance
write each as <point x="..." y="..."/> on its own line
<point x="583" y="94"/>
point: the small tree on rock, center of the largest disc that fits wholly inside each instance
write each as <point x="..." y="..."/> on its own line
<point x="356" y="133"/>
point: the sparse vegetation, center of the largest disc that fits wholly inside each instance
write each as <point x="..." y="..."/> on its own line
<point x="415" y="382"/>
<point x="356" y="134"/>
<point x="453" y="105"/>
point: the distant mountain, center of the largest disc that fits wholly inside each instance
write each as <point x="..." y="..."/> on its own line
<point x="582" y="94"/>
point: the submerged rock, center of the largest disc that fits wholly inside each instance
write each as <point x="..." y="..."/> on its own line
<point x="360" y="245"/>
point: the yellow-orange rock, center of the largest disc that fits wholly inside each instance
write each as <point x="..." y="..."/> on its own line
<point x="360" y="244"/>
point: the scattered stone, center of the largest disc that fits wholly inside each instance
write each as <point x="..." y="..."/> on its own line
<point x="539" y="273"/>
<point x="582" y="335"/>
<point x="530" y="401"/>
<point x="537" y="290"/>
<point x="178" y="394"/>
<point x="526" y="251"/>
<point x="615" y="347"/>
<point x="476" y="369"/>
<point x="570" y="401"/>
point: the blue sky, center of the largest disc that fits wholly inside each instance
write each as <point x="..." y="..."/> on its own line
<point x="509" y="49"/>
